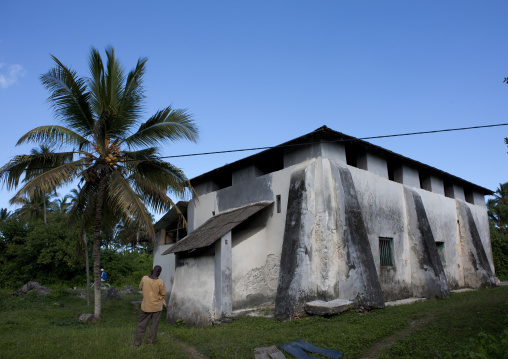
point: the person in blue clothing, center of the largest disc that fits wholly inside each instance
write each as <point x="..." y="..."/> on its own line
<point x="104" y="276"/>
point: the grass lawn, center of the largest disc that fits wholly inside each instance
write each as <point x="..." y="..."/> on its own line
<point x="35" y="326"/>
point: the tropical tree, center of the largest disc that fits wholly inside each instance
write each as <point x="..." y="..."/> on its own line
<point x="498" y="207"/>
<point x="113" y="153"/>
<point x="60" y="205"/>
<point x="36" y="205"/>
<point x="4" y="214"/>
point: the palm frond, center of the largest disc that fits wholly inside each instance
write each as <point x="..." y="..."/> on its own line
<point x="163" y="174"/>
<point x="122" y="197"/>
<point x="141" y="155"/>
<point x="30" y="166"/>
<point x="83" y="205"/>
<point x="49" y="180"/>
<point x="166" y="125"/>
<point x="151" y="194"/>
<point x="69" y="97"/>
<point x="133" y="95"/>
<point x="54" y="135"/>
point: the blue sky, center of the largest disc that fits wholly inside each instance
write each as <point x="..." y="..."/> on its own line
<point x="259" y="73"/>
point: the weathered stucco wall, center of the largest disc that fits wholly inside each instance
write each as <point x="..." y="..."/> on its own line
<point x="167" y="263"/>
<point x="326" y="253"/>
<point x="200" y="210"/>
<point x="257" y="246"/>
<point x="192" y="298"/>
<point x="383" y="208"/>
<point x="324" y="242"/>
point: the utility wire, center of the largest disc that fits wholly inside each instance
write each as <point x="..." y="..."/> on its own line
<point x="342" y="140"/>
<point x="309" y="143"/>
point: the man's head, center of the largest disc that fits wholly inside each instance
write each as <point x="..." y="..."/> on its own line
<point x="157" y="270"/>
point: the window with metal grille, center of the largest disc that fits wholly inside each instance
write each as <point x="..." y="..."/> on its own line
<point x="386" y="251"/>
<point x="441" y="251"/>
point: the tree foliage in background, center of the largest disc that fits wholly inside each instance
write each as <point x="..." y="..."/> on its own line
<point x="498" y="217"/>
<point x="110" y="149"/>
<point x="48" y="253"/>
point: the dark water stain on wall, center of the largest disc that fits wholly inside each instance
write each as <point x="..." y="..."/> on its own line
<point x="357" y="246"/>
<point x="437" y="284"/>
<point x="285" y="301"/>
<point x="480" y="260"/>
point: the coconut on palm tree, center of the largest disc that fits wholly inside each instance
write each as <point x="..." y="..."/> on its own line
<point x="113" y="153"/>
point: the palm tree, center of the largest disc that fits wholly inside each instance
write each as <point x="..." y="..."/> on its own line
<point x="37" y="203"/>
<point x="60" y="205"/>
<point x="498" y="207"/>
<point x="4" y="214"/>
<point x="34" y="207"/>
<point x="113" y="153"/>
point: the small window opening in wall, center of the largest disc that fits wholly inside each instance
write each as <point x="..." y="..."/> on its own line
<point x="213" y="213"/>
<point x="386" y="251"/>
<point x="278" y="204"/>
<point x="441" y="251"/>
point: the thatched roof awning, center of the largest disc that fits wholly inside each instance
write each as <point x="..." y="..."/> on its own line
<point x="216" y="227"/>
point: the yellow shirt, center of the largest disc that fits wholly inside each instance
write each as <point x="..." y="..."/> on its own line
<point x="153" y="294"/>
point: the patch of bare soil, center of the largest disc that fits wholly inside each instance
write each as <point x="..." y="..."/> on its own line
<point x="381" y="347"/>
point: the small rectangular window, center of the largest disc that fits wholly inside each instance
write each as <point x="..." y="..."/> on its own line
<point x="169" y="239"/>
<point x="278" y="204"/>
<point x="386" y="251"/>
<point x="441" y="251"/>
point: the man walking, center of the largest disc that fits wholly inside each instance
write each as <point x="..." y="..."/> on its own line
<point x="154" y="290"/>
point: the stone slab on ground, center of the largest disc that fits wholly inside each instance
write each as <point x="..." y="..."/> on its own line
<point x="462" y="290"/>
<point x="268" y="352"/>
<point x="321" y="307"/>
<point x="404" y="301"/>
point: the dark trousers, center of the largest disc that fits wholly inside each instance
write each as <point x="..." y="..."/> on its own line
<point x="141" y="327"/>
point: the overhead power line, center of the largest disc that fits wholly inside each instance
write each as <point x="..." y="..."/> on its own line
<point x="342" y="140"/>
<point x="306" y="144"/>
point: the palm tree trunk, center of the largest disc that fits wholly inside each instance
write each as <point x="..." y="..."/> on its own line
<point x="87" y="272"/>
<point x="97" y="246"/>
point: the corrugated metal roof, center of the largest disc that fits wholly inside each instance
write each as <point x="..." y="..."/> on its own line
<point x="216" y="227"/>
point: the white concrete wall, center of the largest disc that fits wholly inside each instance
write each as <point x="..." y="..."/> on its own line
<point x="200" y="210"/>
<point x="256" y="251"/>
<point x="442" y="215"/>
<point x="384" y="212"/>
<point x="433" y="184"/>
<point x="455" y="191"/>
<point x="373" y="163"/>
<point x="167" y="262"/>
<point x="408" y="176"/>
<point x="482" y="223"/>
<point x="256" y="248"/>
<point x="192" y="298"/>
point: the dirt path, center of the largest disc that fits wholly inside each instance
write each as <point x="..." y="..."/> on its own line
<point x="381" y="347"/>
<point x="191" y="352"/>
